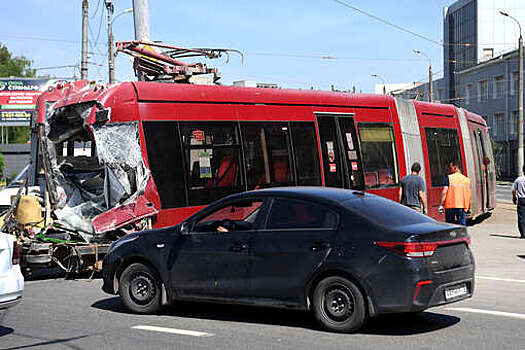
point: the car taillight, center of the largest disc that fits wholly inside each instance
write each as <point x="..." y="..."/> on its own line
<point x="410" y="249"/>
<point x="419" y="249"/>
<point x="16" y="254"/>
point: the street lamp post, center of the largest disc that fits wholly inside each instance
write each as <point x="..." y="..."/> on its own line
<point x="382" y="80"/>
<point x="430" y="87"/>
<point x="110" y="20"/>
<point x="520" y="95"/>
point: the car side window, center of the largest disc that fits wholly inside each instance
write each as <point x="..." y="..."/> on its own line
<point x="292" y="214"/>
<point x="237" y="216"/>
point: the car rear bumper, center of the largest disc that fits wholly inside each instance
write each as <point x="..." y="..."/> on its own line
<point x="420" y="290"/>
<point x="11" y="287"/>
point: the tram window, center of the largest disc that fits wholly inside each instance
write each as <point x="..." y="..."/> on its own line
<point x="306" y="154"/>
<point x="267" y="154"/>
<point x="165" y="162"/>
<point x="442" y="148"/>
<point x="378" y="151"/>
<point x="212" y="160"/>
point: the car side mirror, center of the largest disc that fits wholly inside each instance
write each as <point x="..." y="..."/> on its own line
<point x="185" y="228"/>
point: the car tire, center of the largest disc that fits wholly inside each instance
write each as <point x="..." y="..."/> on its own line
<point x="339" y="305"/>
<point x="139" y="289"/>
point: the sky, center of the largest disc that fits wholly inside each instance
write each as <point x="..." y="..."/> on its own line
<point x="284" y="42"/>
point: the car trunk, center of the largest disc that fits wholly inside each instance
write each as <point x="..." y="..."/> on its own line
<point x="451" y="244"/>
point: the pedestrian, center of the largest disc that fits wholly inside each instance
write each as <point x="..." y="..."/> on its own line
<point x="456" y="196"/>
<point x="412" y="190"/>
<point x="518" y="197"/>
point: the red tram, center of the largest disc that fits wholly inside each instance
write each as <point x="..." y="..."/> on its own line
<point x="162" y="151"/>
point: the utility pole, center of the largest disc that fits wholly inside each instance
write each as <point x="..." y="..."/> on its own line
<point x="520" y="103"/>
<point x="520" y="96"/>
<point x="111" y="58"/>
<point x="84" y="59"/>
<point x="430" y="87"/>
<point x="141" y="17"/>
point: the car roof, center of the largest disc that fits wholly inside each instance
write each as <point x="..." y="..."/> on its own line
<point x="325" y="194"/>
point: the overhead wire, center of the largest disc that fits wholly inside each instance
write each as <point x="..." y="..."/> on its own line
<point x="384" y="21"/>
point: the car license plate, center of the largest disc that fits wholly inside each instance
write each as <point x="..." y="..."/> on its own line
<point x="456" y="291"/>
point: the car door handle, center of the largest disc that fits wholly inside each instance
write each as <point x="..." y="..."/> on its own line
<point x="238" y="247"/>
<point x="318" y="246"/>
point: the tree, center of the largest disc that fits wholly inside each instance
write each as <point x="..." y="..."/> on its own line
<point x="20" y="67"/>
<point x="14" y="66"/>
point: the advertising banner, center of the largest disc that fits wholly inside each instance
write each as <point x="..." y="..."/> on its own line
<point x="18" y="98"/>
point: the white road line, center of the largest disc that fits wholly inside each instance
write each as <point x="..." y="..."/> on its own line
<point x="173" y="331"/>
<point x="499" y="279"/>
<point x="488" y="312"/>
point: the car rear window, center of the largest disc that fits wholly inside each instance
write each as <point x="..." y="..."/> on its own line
<point x="385" y="212"/>
<point x="291" y="214"/>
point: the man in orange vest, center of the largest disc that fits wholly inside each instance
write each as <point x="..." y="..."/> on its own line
<point x="456" y="196"/>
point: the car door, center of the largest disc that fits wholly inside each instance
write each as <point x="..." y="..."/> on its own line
<point x="295" y="241"/>
<point x="209" y="261"/>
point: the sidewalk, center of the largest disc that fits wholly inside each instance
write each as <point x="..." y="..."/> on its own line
<point x="498" y="250"/>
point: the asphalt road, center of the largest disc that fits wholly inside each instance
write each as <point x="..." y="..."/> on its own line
<point x="76" y="314"/>
<point x="504" y="193"/>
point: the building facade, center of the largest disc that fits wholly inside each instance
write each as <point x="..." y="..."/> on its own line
<point x="480" y="72"/>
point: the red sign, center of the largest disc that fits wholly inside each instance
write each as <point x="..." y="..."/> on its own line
<point x="354" y="165"/>
<point x="198" y="135"/>
<point x="333" y="167"/>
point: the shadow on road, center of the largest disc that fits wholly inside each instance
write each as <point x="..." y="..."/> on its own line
<point x="479" y="219"/>
<point x="409" y="324"/>
<point x="504" y="236"/>
<point x="49" y="342"/>
<point x="398" y="324"/>
<point x="54" y="273"/>
<point x="5" y="331"/>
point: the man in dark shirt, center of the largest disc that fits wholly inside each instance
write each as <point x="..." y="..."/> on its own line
<point x="412" y="190"/>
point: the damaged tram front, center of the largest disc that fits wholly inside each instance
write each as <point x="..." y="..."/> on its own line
<point x="94" y="185"/>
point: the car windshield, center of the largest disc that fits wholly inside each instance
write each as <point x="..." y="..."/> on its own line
<point x="385" y="212"/>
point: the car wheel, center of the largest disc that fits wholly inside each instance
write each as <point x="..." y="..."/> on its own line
<point x="339" y="305"/>
<point x="139" y="289"/>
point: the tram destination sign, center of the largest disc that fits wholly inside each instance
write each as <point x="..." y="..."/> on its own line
<point x="18" y="98"/>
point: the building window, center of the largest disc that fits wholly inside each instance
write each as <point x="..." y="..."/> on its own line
<point x="488" y="53"/>
<point x="513" y="123"/>
<point x="442" y="148"/>
<point x="499" y="86"/>
<point x="499" y="124"/>
<point x="483" y="90"/>
<point x="468" y="93"/>
<point x="514" y="83"/>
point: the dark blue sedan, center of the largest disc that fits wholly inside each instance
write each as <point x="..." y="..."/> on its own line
<point x="344" y="255"/>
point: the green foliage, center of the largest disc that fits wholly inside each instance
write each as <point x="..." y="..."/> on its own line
<point x="18" y="134"/>
<point x="2" y="164"/>
<point x="14" y="66"/>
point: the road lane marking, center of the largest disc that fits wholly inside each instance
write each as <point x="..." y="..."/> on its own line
<point x="173" y="331"/>
<point x="500" y="279"/>
<point x="487" y="312"/>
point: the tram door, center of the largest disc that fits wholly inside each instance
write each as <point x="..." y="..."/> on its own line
<point x="340" y="151"/>
<point x="483" y="155"/>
